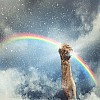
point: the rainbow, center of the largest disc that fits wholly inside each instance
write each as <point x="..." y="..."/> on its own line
<point x="26" y="36"/>
<point x="85" y="66"/>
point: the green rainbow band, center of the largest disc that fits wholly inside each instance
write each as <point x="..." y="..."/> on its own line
<point x="26" y="36"/>
<point x="86" y="67"/>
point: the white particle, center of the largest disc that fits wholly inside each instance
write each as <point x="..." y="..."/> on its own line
<point x="57" y="4"/>
<point x="14" y="6"/>
<point x="44" y="23"/>
<point x="11" y="50"/>
<point x="6" y="18"/>
<point x="2" y="13"/>
<point x="20" y="24"/>
<point x="12" y="22"/>
<point x="37" y="68"/>
<point x="29" y="9"/>
<point x="31" y="13"/>
<point x="62" y="7"/>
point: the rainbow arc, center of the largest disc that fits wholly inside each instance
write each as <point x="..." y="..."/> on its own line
<point x="26" y="36"/>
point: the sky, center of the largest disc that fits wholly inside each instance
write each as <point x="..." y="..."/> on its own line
<point x="75" y="22"/>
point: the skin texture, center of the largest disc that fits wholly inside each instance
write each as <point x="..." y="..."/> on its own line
<point x="68" y="84"/>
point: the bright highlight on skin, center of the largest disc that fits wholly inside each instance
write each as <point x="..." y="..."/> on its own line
<point x="28" y="36"/>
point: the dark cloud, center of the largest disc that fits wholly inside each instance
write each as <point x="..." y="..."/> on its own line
<point x="37" y="16"/>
